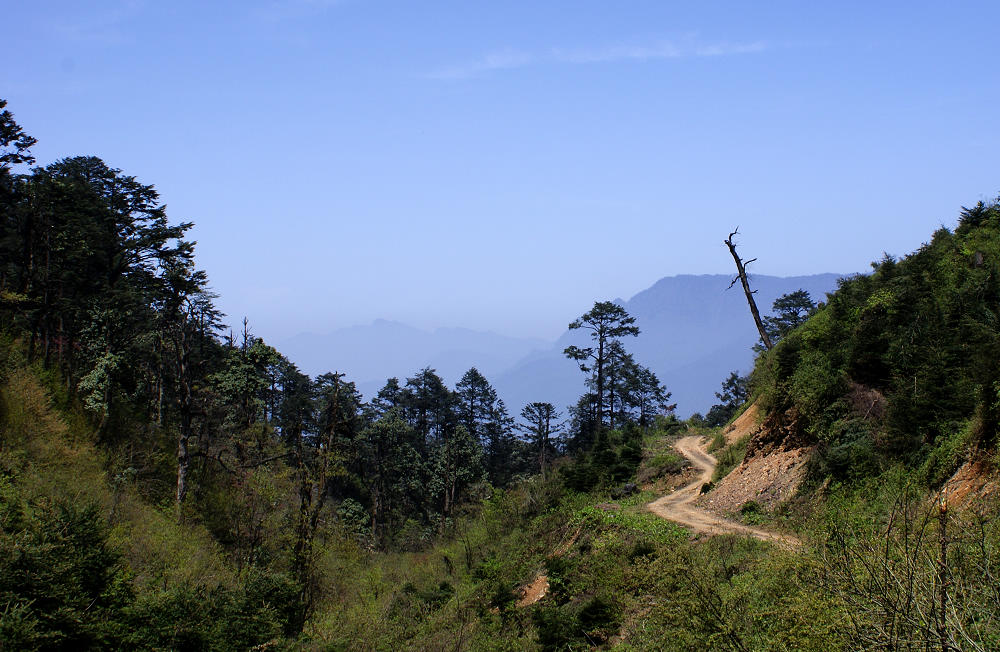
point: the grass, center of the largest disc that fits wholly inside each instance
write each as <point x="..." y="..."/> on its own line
<point x="665" y="463"/>
<point x="730" y="457"/>
<point x="718" y="441"/>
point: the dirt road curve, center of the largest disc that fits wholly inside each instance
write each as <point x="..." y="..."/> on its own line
<point x="679" y="506"/>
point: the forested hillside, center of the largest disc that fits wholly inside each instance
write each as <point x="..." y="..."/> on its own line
<point x="113" y="349"/>
<point x="168" y="480"/>
<point x="900" y="366"/>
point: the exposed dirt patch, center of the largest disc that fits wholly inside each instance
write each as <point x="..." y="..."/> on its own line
<point x="745" y="424"/>
<point x="774" y="465"/>
<point x="680" y="506"/>
<point x="672" y="481"/>
<point x="564" y="547"/>
<point x="765" y="479"/>
<point x="972" y="483"/>
<point x="781" y="431"/>
<point x="534" y="592"/>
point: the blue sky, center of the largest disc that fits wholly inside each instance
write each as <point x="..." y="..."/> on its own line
<point x="501" y="165"/>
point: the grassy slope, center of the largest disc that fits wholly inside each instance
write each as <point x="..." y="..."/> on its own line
<point x="618" y="575"/>
<point x="49" y="459"/>
<point x="87" y="560"/>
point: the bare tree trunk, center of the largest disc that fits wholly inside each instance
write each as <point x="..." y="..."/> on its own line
<point x="183" y="454"/>
<point x="544" y="447"/>
<point x="312" y="485"/>
<point x="183" y="462"/>
<point x="941" y="578"/>
<point x="742" y="277"/>
<point x="600" y="384"/>
<point x="160" y="374"/>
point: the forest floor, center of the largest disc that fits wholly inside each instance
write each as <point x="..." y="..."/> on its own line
<point x="680" y="507"/>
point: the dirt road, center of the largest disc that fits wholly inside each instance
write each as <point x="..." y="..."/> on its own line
<point x="679" y="506"/>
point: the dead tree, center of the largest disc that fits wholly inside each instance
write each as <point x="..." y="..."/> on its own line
<point x="741" y="266"/>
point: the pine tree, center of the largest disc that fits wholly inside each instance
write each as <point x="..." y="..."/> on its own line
<point x="606" y="322"/>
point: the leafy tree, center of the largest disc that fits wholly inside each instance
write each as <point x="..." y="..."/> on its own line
<point x="790" y="310"/>
<point x="14" y="143"/>
<point x="429" y="408"/>
<point x="456" y="466"/>
<point x="500" y="449"/>
<point x="93" y="249"/>
<point x="14" y="150"/>
<point x="619" y="367"/>
<point x="476" y="403"/>
<point x="62" y="585"/>
<point x="245" y="381"/>
<point x="339" y="410"/>
<point x="297" y="410"/>
<point x="389" y="397"/>
<point x="393" y="472"/>
<point x="486" y="418"/>
<point x="187" y="319"/>
<point x="582" y="424"/>
<point x="645" y="393"/>
<point x="606" y="322"/>
<point x="539" y="423"/>
<point x="319" y="461"/>
<point x="735" y="392"/>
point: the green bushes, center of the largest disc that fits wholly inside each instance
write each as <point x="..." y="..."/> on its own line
<point x="848" y="452"/>
<point x="61" y="586"/>
<point x="730" y="457"/>
<point x="196" y="617"/>
<point x="576" y="626"/>
<point x="433" y="597"/>
<point x="557" y="627"/>
<point x="613" y="459"/>
<point x="948" y="454"/>
<point x="718" y="441"/>
<point x="665" y="463"/>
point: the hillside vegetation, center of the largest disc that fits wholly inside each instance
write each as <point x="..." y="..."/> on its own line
<point x="166" y="484"/>
<point x="900" y="366"/>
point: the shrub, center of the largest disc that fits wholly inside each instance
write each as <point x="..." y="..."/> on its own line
<point x="730" y="457"/>
<point x="557" y="626"/>
<point x="850" y="453"/>
<point x="196" y="617"/>
<point x="581" y="476"/>
<point x="948" y="455"/>
<point x="558" y="570"/>
<point x="641" y="548"/>
<point x="718" y="441"/>
<point x="60" y="582"/>
<point x="599" y="619"/>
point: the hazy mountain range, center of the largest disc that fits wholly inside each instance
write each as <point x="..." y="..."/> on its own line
<point x="371" y="353"/>
<point x="694" y="332"/>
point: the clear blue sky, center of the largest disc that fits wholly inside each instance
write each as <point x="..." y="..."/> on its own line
<point x="502" y="165"/>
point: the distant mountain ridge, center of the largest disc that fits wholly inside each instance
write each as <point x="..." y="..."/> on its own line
<point x="694" y="331"/>
<point x="371" y="353"/>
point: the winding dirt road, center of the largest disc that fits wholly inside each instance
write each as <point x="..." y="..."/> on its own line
<point x="679" y="506"/>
